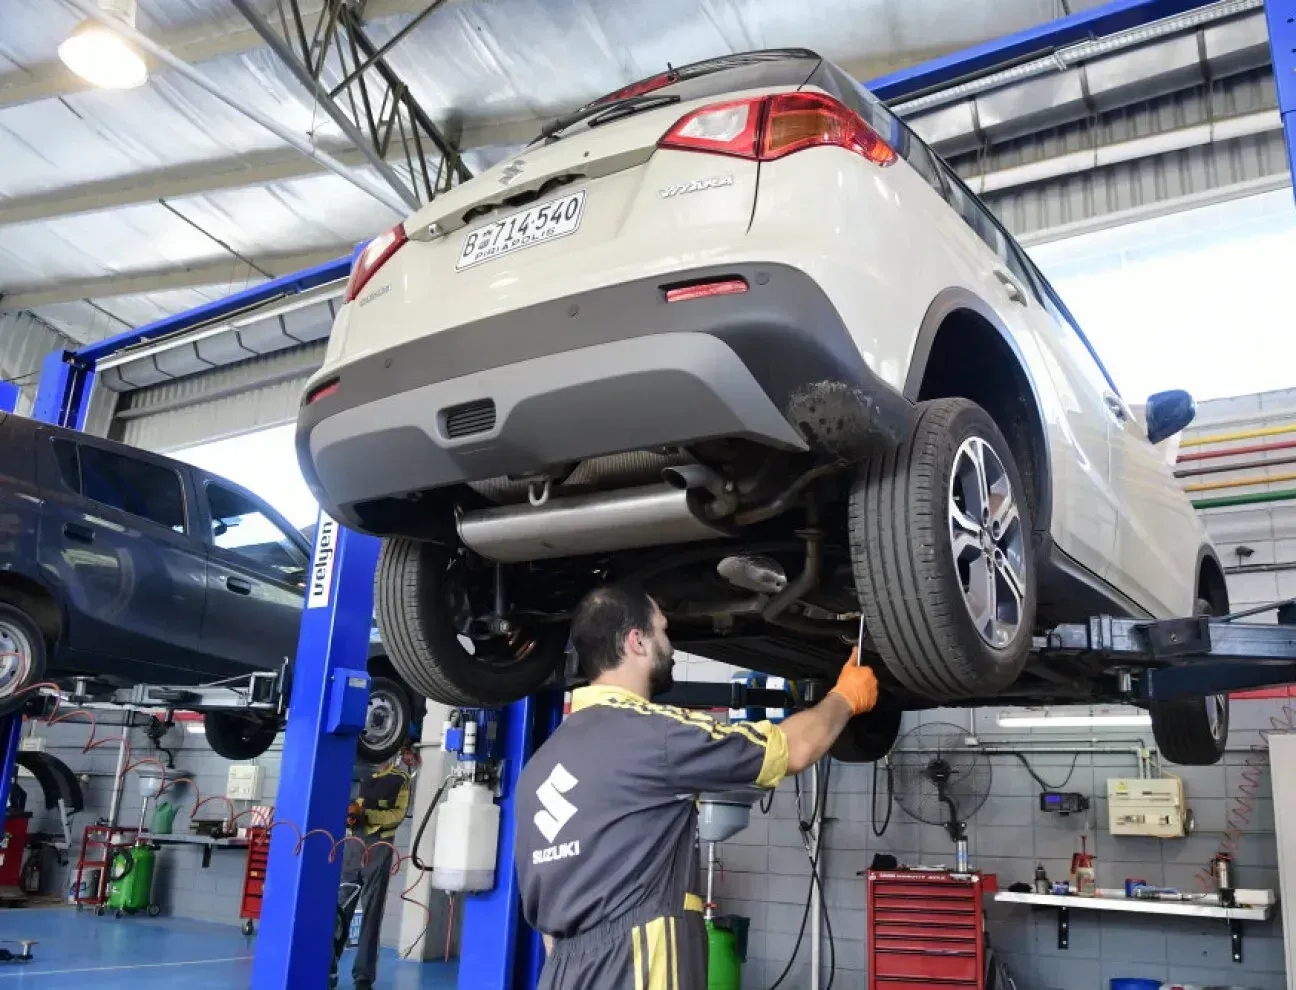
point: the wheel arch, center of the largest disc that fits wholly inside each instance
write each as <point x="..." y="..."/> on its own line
<point x="1211" y="583"/>
<point x="37" y="600"/>
<point x="955" y="324"/>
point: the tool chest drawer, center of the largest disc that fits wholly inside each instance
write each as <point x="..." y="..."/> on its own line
<point x="926" y="929"/>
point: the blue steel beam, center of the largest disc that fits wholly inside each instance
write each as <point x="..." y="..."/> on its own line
<point x="10" y="729"/>
<point x="9" y="393"/>
<point x="296" y="941"/>
<point x="1281" y="15"/>
<point x="63" y="395"/>
<point x="1118" y="15"/>
<point x="285" y="285"/>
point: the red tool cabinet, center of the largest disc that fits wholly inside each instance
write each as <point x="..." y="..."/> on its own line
<point x="926" y="929"/>
<point x="258" y="862"/>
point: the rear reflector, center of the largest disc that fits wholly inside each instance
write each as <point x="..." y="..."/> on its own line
<point x="728" y="287"/>
<point x="323" y="392"/>
<point x="767" y="128"/>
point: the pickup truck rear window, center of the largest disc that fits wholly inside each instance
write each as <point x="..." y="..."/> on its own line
<point x="140" y="488"/>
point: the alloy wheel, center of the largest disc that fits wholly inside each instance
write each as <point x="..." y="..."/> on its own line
<point x="987" y="542"/>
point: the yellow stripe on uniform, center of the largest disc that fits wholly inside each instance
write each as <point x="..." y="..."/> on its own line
<point x="774" y="766"/>
<point x="693" y="902"/>
<point x="658" y="956"/>
<point x="637" y="941"/>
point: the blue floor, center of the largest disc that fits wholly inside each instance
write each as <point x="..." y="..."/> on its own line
<point x="79" y="949"/>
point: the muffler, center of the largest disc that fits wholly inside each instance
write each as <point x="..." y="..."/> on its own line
<point x="648" y="516"/>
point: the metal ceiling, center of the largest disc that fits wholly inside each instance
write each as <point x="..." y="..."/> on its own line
<point x="119" y="208"/>
<point x="84" y="170"/>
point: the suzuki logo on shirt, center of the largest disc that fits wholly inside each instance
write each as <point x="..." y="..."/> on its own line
<point x="558" y="810"/>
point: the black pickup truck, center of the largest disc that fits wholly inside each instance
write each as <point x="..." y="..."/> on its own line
<point x="125" y="567"/>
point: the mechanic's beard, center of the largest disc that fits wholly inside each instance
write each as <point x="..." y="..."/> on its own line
<point x="662" y="677"/>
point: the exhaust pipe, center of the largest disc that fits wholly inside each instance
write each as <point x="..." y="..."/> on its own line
<point x="652" y="515"/>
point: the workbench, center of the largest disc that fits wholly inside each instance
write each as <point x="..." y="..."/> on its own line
<point x="1115" y="900"/>
<point x="204" y="842"/>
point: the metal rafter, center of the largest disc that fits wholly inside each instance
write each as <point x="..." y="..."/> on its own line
<point x="369" y="102"/>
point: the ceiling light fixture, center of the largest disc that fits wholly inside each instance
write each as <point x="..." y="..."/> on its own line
<point x="99" y="55"/>
<point x="1070" y="718"/>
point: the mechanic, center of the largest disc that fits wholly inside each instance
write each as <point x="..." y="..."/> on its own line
<point x="607" y="814"/>
<point x="373" y="817"/>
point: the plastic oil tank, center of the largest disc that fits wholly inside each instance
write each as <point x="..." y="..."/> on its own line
<point x="467" y="836"/>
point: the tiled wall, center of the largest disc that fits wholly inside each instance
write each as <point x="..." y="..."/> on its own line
<point x="182" y="887"/>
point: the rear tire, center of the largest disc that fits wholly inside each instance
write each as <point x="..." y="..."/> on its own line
<point x="22" y="656"/>
<point x="387" y="721"/>
<point x="950" y="620"/>
<point x="421" y="606"/>
<point x="868" y="737"/>
<point x="1192" y="732"/>
<point x="238" y="736"/>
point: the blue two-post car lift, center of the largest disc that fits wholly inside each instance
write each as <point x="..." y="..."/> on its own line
<point x="1183" y="657"/>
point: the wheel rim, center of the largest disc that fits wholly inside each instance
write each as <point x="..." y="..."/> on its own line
<point x="1217" y="714"/>
<point x="382" y="721"/>
<point x="15" y="659"/>
<point x="987" y="543"/>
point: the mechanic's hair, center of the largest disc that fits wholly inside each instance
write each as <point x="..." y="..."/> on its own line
<point x="604" y="618"/>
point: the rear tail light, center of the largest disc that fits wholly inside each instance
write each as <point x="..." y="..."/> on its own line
<point x="374" y="256"/>
<point x="322" y="391"/>
<point x="723" y="287"/>
<point x="766" y="128"/>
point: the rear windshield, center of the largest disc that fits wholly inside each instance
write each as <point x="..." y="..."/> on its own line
<point x="715" y="77"/>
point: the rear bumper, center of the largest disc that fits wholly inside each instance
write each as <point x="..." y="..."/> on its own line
<point x="606" y="371"/>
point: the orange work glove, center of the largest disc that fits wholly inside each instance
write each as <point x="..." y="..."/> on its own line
<point x="858" y="685"/>
<point x="355" y="811"/>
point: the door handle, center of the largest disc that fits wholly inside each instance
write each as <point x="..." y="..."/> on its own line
<point x="78" y="532"/>
<point x="1011" y="287"/>
<point x="1115" y="407"/>
<point x="238" y="585"/>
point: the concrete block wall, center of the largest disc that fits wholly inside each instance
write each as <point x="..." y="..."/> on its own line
<point x="766" y="870"/>
<point x="182" y="886"/>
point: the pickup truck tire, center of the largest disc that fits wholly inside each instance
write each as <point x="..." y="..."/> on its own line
<point x="868" y="737"/>
<point x="22" y="655"/>
<point x="940" y="548"/>
<point x="420" y="602"/>
<point x="1192" y="732"/>
<point x="238" y="735"/>
<point x="387" y="722"/>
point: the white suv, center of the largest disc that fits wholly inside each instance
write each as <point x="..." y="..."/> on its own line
<point x="734" y="333"/>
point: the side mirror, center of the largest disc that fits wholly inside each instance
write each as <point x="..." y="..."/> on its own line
<point x="1169" y="413"/>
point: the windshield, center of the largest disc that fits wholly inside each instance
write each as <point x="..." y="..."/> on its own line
<point x="696" y="81"/>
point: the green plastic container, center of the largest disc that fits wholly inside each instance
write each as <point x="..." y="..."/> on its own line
<point x="134" y="887"/>
<point x="726" y="949"/>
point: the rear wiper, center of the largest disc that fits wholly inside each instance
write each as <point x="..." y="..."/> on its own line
<point x="602" y="113"/>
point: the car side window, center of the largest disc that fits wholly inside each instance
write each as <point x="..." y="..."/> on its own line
<point x="69" y="465"/>
<point x="131" y="485"/>
<point x="244" y="528"/>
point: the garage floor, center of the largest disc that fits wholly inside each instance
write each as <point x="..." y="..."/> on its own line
<point x="163" y="952"/>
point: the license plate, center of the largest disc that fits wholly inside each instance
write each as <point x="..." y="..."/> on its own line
<point x="546" y="222"/>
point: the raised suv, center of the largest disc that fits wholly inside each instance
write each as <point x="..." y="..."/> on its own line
<point x="735" y="333"/>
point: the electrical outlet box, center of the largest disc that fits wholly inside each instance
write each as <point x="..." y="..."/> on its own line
<point x="32" y="744"/>
<point x="244" y="782"/>
<point x="1152" y="807"/>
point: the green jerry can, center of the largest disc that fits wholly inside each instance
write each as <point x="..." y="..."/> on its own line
<point x="131" y="881"/>
<point x="726" y="950"/>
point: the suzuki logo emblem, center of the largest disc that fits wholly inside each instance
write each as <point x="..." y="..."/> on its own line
<point x="511" y="172"/>
<point x="557" y="809"/>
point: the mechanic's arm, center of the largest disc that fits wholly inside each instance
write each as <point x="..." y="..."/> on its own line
<point x="704" y="755"/>
<point x="811" y="733"/>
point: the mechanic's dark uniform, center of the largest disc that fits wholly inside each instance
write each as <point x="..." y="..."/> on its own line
<point x="606" y="853"/>
<point x="384" y="796"/>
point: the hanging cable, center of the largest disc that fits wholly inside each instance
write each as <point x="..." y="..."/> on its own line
<point x="1040" y="780"/>
<point x="418" y="836"/>
<point x="890" y="783"/>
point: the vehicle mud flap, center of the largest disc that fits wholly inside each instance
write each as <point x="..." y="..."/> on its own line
<point x="850" y="421"/>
